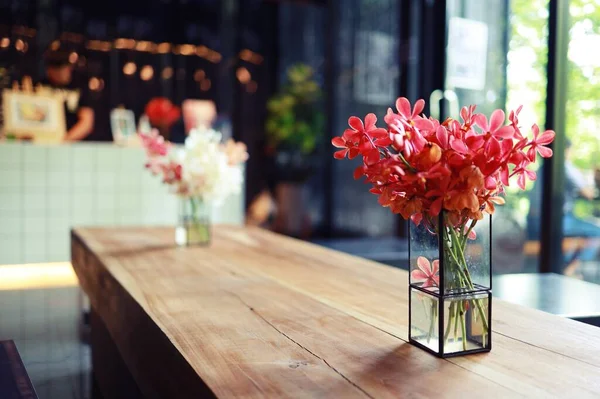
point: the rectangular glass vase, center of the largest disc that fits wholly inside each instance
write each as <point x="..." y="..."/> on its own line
<point x="450" y="290"/>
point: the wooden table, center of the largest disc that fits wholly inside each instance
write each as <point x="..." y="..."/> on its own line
<point x="14" y="380"/>
<point x="261" y="315"/>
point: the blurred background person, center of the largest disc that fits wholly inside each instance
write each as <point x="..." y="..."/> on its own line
<point x="79" y="115"/>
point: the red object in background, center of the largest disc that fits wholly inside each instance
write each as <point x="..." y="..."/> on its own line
<point x="162" y="113"/>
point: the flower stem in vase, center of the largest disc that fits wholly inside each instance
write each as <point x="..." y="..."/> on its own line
<point x="459" y="277"/>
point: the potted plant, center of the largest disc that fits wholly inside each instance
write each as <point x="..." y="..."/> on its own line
<point x="293" y="127"/>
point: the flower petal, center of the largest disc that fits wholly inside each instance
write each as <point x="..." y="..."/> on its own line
<point x="442" y="136"/>
<point x="436" y="267"/>
<point x="424" y="265"/>
<point x="418" y="108"/>
<point x="338" y="142"/>
<point x="472" y="235"/>
<point x="403" y="107"/>
<point x="481" y="121"/>
<point x="423" y="124"/>
<point x="370" y="121"/>
<point x="505" y="132"/>
<point x="359" y="172"/>
<point x="356" y="124"/>
<point x="418" y="276"/>
<point x="545" y="152"/>
<point x="546" y="138"/>
<point x="458" y="146"/>
<point x="496" y="120"/>
<point x="341" y="154"/>
<point x="416" y="218"/>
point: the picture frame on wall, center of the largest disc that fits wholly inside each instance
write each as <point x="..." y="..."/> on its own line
<point x="33" y="116"/>
<point x="122" y="124"/>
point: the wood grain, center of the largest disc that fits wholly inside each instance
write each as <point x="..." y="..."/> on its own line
<point x="260" y="315"/>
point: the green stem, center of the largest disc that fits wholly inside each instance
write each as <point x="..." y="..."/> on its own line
<point x="448" y="327"/>
<point x="467" y="274"/>
<point x="464" y="330"/>
<point x="456" y="320"/>
<point x="433" y="318"/>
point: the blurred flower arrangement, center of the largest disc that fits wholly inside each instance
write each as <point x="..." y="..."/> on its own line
<point x="444" y="176"/>
<point x="203" y="172"/>
<point x="293" y="120"/>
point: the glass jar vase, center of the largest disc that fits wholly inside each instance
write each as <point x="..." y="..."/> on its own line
<point x="194" y="222"/>
<point x="450" y="290"/>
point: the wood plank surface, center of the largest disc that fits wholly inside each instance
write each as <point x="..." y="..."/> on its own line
<point x="261" y="315"/>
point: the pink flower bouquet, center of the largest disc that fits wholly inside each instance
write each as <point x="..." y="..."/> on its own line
<point x="444" y="176"/>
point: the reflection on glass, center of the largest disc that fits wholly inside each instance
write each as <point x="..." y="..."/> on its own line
<point x="366" y="80"/>
<point x="581" y="222"/>
<point x="517" y="224"/>
<point x="517" y="45"/>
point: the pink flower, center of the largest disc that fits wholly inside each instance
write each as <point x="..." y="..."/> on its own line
<point x="496" y="126"/>
<point x="426" y="273"/>
<point x="171" y="172"/>
<point x="539" y="142"/>
<point x="467" y="114"/>
<point x="361" y="137"/>
<point x="514" y="121"/>
<point x="154" y="144"/>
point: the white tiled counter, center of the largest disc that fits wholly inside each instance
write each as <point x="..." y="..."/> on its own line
<point x="45" y="190"/>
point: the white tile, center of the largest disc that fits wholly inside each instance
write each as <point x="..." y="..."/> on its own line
<point x="83" y="198"/>
<point x="12" y="202"/>
<point x="83" y="154"/>
<point x="107" y="157"/>
<point x="4" y="213"/>
<point x="34" y="177"/>
<point x="11" y="177"/>
<point x="35" y="155"/>
<point x="150" y="183"/>
<point x="34" y="225"/>
<point x="105" y="217"/>
<point x="34" y="248"/>
<point x="130" y="218"/>
<point x="82" y="179"/>
<point x="58" y="178"/>
<point x="58" y="255"/>
<point x="82" y="218"/>
<point x="106" y="200"/>
<point x="58" y="200"/>
<point x="128" y="200"/>
<point x="106" y="180"/>
<point x="59" y="157"/>
<point x="10" y="249"/>
<point x="34" y="203"/>
<point x="11" y="225"/>
<point x="35" y="257"/>
<point x="10" y="154"/>
<point x="58" y="227"/>
<point x="132" y="159"/>
<point x="128" y="181"/>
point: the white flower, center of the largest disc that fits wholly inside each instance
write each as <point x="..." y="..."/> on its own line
<point x="206" y="172"/>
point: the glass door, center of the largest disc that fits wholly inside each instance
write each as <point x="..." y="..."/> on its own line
<point x="495" y="58"/>
<point x="581" y="195"/>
